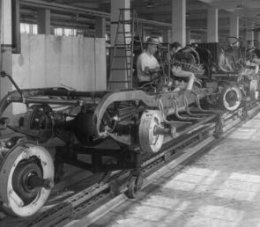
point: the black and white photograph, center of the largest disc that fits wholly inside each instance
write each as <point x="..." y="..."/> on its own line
<point x="129" y="113"/>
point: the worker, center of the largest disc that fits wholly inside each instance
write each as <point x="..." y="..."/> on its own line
<point x="253" y="54"/>
<point x="177" y="67"/>
<point x="147" y="65"/>
<point x="224" y="62"/>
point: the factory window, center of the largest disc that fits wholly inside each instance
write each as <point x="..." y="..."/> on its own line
<point x="65" y="31"/>
<point x="29" y="28"/>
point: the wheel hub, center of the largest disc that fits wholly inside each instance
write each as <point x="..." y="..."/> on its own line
<point x="153" y="135"/>
<point x="26" y="175"/>
<point x="150" y="140"/>
<point x="231" y="98"/>
<point x="21" y="180"/>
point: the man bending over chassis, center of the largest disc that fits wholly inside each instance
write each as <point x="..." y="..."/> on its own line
<point x="147" y="65"/>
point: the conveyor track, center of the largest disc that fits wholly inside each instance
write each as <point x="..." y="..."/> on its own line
<point x="84" y="201"/>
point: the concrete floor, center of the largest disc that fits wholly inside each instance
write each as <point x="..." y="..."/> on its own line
<point x="222" y="188"/>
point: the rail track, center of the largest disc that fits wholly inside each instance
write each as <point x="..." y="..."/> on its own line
<point x="86" y="199"/>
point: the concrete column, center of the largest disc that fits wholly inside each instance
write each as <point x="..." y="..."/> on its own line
<point x="44" y="21"/>
<point x="179" y="21"/>
<point x="167" y="36"/>
<point x="120" y="78"/>
<point x="100" y="27"/>
<point x="212" y="25"/>
<point x="250" y="37"/>
<point x="6" y="22"/>
<point x="203" y="37"/>
<point x="6" y="46"/>
<point x="16" y="36"/>
<point x="188" y="36"/>
<point x="258" y="40"/>
<point x="234" y="26"/>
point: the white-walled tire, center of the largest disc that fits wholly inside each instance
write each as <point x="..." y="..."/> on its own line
<point x="253" y="90"/>
<point x="17" y="196"/>
<point x="149" y="141"/>
<point x="230" y="98"/>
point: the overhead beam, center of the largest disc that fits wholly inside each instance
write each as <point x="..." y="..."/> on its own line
<point x="230" y="5"/>
<point x="78" y="10"/>
<point x="63" y="7"/>
<point x="166" y="8"/>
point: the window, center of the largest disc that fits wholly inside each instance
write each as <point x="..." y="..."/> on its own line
<point x="26" y="28"/>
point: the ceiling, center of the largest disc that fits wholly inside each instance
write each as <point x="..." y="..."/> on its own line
<point x="156" y="10"/>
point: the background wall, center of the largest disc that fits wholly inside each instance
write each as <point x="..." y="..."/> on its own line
<point x="46" y="61"/>
<point x="50" y="61"/>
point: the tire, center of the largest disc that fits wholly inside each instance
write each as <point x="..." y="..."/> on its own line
<point x="149" y="142"/>
<point x="134" y="185"/>
<point x="230" y="98"/>
<point x="253" y="90"/>
<point x="16" y="168"/>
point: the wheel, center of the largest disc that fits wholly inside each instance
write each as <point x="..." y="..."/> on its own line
<point x="135" y="184"/>
<point x="253" y="90"/>
<point x="230" y="98"/>
<point x="26" y="175"/>
<point x="149" y="141"/>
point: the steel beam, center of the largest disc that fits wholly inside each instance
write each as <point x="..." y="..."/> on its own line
<point x="77" y="10"/>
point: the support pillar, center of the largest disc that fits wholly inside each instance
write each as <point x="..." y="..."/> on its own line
<point x="234" y="26"/>
<point x="167" y="35"/>
<point x="100" y="27"/>
<point x="188" y="36"/>
<point x="203" y="37"/>
<point x="119" y="75"/>
<point x="44" y="21"/>
<point x="179" y="21"/>
<point x="6" y="45"/>
<point x="250" y="37"/>
<point x="16" y="36"/>
<point x="258" y="40"/>
<point x="6" y="22"/>
<point x="212" y="25"/>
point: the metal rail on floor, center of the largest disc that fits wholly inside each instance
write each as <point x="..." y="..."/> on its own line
<point x="86" y="203"/>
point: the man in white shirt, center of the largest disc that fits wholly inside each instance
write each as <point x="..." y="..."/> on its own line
<point x="147" y="65"/>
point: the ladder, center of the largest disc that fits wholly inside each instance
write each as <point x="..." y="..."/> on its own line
<point x="122" y="53"/>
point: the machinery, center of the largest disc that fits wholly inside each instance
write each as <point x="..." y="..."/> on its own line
<point x="134" y="119"/>
<point x="231" y="72"/>
<point x="137" y="121"/>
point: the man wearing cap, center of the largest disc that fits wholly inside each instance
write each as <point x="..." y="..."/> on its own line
<point x="147" y="65"/>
